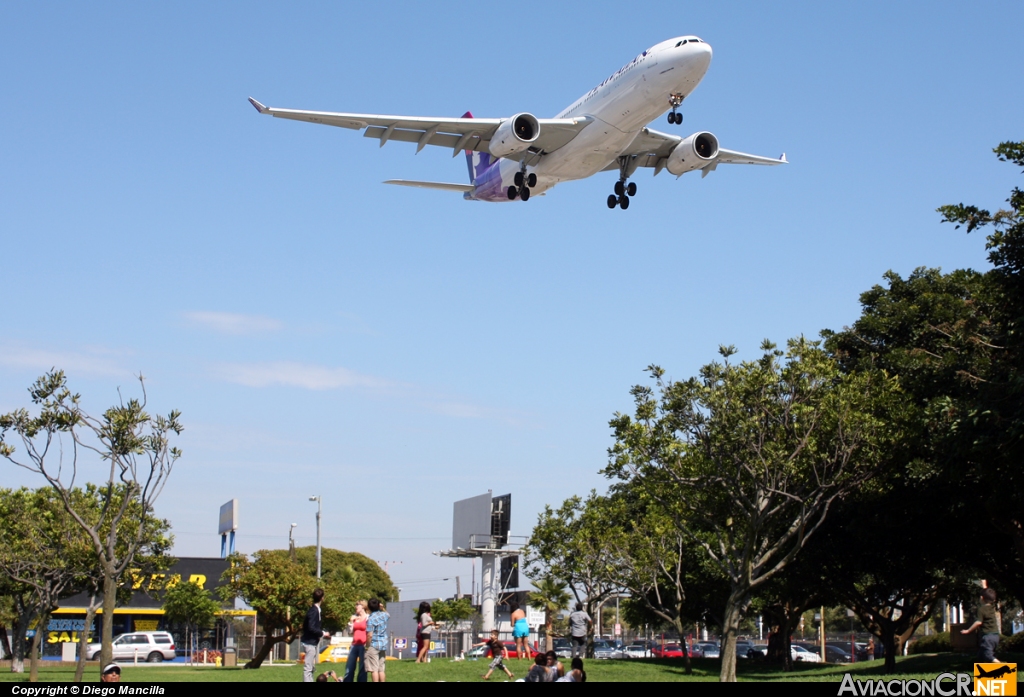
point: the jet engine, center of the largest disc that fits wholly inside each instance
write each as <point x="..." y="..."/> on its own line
<point x="514" y="135"/>
<point x="693" y="152"/>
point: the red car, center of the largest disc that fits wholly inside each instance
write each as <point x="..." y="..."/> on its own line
<point x="667" y="651"/>
<point x="510" y="646"/>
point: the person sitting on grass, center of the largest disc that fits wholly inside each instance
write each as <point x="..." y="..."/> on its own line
<point x="500" y="653"/>
<point x="539" y="672"/>
<point x="555" y="668"/>
<point x="576" y="674"/>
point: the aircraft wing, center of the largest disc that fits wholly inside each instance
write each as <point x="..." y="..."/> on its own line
<point x="652" y="148"/>
<point x="455" y="133"/>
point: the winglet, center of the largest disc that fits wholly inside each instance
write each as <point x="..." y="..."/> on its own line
<point x="259" y="107"/>
<point x="783" y="158"/>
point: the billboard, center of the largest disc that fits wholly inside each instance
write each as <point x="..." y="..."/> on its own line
<point x="472" y="522"/>
<point x="228" y="517"/>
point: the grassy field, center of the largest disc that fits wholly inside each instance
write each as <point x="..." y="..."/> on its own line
<point x="634" y="670"/>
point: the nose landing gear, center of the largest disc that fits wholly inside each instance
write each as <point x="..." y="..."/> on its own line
<point x="674" y="100"/>
<point x="523" y="182"/>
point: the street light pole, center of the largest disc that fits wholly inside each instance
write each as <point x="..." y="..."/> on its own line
<point x="319" y="508"/>
<point x="291" y="541"/>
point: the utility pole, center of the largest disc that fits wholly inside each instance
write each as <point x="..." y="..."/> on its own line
<point x="319" y="508"/>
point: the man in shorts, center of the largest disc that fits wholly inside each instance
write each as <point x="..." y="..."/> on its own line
<point x="376" y="640"/>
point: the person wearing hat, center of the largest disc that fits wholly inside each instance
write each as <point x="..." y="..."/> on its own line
<point x="111" y="673"/>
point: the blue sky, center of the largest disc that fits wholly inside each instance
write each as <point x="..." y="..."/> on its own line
<point x="395" y="349"/>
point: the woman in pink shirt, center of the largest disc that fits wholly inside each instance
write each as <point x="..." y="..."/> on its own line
<point x="358" y="650"/>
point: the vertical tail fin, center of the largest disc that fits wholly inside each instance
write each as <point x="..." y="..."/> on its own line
<point x="477" y="162"/>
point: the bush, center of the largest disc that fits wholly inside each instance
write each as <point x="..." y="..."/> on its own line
<point x="933" y="643"/>
<point x="1012" y="644"/>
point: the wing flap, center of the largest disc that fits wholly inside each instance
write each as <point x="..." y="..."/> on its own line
<point x="733" y="157"/>
<point x="444" y="186"/>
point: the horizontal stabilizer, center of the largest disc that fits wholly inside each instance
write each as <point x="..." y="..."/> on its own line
<point x="444" y="186"/>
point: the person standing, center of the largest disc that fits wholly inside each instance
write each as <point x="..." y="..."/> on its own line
<point x="425" y="624"/>
<point x="358" y="650"/>
<point x="986" y="624"/>
<point x="520" y="630"/>
<point x="376" y="640"/>
<point x="499" y="655"/>
<point x="579" y="622"/>
<point x="312" y="633"/>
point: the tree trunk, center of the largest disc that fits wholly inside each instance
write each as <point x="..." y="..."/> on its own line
<point x="549" y="642"/>
<point x="734" y="608"/>
<point x="19" y="647"/>
<point x="109" y="603"/>
<point x="889" y="642"/>
<point x="678" y="622"/>
<point x="5" y="642"/>
<point x="41" y="625"/>
<point x="83" y="639"/>
<point x="267" y="647"/>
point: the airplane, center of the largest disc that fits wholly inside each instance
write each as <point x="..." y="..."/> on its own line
<point x="999" y="672"/>
<point x="604" y="130"/>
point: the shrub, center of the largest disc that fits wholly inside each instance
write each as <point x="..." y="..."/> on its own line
<point x="933" y="643"/>
<point x="1012" y="644"/>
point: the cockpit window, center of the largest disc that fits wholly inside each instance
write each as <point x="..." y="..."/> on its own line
<point x="681" y="43"/>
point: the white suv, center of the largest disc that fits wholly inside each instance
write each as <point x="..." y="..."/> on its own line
<point x="147" y="646"/>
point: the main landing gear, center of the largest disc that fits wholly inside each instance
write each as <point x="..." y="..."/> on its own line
<point x="674" y="100"/>
<point x="523" y="183"/>
<point x="622" y="193"/>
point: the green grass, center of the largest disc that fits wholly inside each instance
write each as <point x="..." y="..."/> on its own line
<point x="925" y="666"/>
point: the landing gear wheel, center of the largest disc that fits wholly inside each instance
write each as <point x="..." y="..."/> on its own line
<point x="631" y="189"/>
<point x="531" y="181"/>
<point x="518" y="179"/>
<point x="513" y="192"/>
<point x="620" y="188"/>
<point x="672" y="117"/>
<point x="525" y="193"/>
<point x="612" y="200"/>
<point x="623" y="202"/>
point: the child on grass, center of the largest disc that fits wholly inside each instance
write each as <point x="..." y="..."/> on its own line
<point x="500" y="653"/>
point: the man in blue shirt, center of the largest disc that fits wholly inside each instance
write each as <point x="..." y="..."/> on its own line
<point x="376" y="640"/>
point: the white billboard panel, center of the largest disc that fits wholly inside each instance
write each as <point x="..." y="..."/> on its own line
<point x="228" y="517"/>
<point x="472" y="518"/>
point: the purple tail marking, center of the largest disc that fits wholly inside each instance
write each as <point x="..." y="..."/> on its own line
<point x="477" y="162"/>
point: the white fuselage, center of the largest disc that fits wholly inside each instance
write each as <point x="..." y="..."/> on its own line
<point x="620" y="107"/>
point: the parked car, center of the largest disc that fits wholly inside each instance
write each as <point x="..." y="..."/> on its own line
<point x="758" y="651"/>
<point x="639" y="649"/>
<point x="668" y="651"/>
<point x="562" y="648"/>
<point x="696" y="651"/>
<point x="799" y="653"/>
<point x="605" y="649"/>
<point x="152" y="647"/>
<point x="835" y="654"/>
<point x="710" y="649"/>
<point x="743" y="649"/>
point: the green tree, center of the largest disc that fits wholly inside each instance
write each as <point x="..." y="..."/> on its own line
<point x="748" y="459"/>
<point x="43" y="557"/>
<point x="551" y="596"/>
<point x="568" y="544"/>
<point x="351" y="568"/>
<point x="193" y="606"/>
<point x="133" y="447"/>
